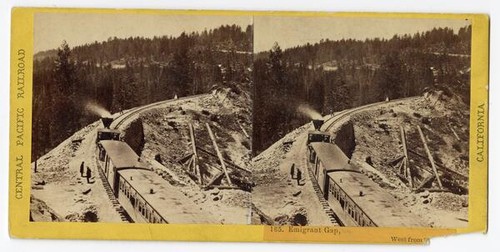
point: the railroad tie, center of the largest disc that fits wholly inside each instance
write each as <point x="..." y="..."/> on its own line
<point x="326" y="207"/>
<point x="124" y="216"/>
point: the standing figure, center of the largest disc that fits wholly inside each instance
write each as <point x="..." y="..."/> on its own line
<point x="299" y="176"/>
<point x="292" y="170"/>
<point x="89" y="175"/>
<point x="81" y="168"/>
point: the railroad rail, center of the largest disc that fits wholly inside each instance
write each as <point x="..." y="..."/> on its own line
<point x="343" y="114"/>
<point x="124" y="216"/>
<point x="332" y="121"/>
<point x="334" y="219"/>
<point x="117" y="122"/>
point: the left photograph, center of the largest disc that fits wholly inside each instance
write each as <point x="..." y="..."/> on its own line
<point x="141" y="118"/>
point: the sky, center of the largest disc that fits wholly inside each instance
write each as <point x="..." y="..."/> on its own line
<point x="293" y="31"/>
<point x="80" y="28"/>
<point x="50" y="29"/>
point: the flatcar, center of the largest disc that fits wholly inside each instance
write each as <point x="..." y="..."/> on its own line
<point x="145" y="195"/>
<point x="355" y="198"/>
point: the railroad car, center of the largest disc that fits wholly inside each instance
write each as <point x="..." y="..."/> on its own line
<point x="107" y="133"/>
<point x="355" y="198"/>
<point x="144" y="195"/>
<point x="116" y="156"/>
<point x="316" y="135"/>
<point x="327" y="157"/>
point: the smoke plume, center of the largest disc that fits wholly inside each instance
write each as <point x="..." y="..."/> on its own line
<point x="97" y="110"/>
<point x="309" y="112"/>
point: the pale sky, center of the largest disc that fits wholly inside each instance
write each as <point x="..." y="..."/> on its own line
<point x="293" y="31"/>
<point x="80" y="28"/>
<point x="50" y="29"/>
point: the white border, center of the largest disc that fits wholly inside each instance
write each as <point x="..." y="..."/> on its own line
<point x="471" y="242"/>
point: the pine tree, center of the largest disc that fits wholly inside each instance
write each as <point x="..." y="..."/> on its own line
<point x="65" y="70"/>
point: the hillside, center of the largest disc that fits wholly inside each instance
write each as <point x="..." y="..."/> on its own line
<point x="60" y="193"/>
<point x="118" y="74"/>
<point x="336" y="75"/>
<point x="443" y="118"/>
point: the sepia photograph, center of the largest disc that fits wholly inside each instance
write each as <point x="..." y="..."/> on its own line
<point x="361" y="122"/>
<point x="235" y="126"/>
<point x="141" y="118"/>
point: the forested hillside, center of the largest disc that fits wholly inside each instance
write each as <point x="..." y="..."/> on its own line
<point x="331" y="76"/>
<point x="122" y="73"/>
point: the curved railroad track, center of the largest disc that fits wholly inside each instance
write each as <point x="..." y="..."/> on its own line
<point x="118" y="121"/>
<point x="343" y="114"/>
<point x="333" y="119"/>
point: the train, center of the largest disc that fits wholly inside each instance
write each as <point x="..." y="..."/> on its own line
<point x="106" y="133"/>
<point x="354" y="197"/>
<point x="143" y="194"/>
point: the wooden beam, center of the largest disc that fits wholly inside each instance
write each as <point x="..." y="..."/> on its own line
<point x="189" y="162"/>
<point x="244" y="131"/>
<point x="427" y="180"/>
<point x="395" y="161"/>
<point x="441" y="166"/>
<point x="215" y="178"/>
<point x="400" y="168"/>
<point x="454" y="132"/>
<point x="196" y="165"/>
<point x="406" y="164"/>
<point x="221" y="159"/>
<point x="431" y="159"/>
<point x="183" y="159"/>
<point x="225" y="187"/>
<point x="225" y="160"/>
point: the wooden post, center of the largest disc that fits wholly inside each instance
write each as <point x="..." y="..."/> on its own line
<point x="405" y="159"/>
<point x="441" y="166"/>
<point x="196" y="165"/>
<point x="189" y="162"/>
<point x="218" y="153"/>
<point x="244" y="131"/>
<point x="434" y="169"/>
<point x="225" y="160"/>
<point x="215" y="178"/>
<point x="425" y="181"/>
<point x="454" y="132"/>
<point x="400" y="167"/>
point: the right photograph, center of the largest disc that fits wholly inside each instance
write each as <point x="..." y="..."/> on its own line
<point x="361" y="121"/>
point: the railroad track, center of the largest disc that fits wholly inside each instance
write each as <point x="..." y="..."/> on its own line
<point x="335" y="221"/>
<point x="124" y="216"/>
<point x="330" y="122"/>
<point x="336" y="118"/>
<point x="131" y="112"/>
